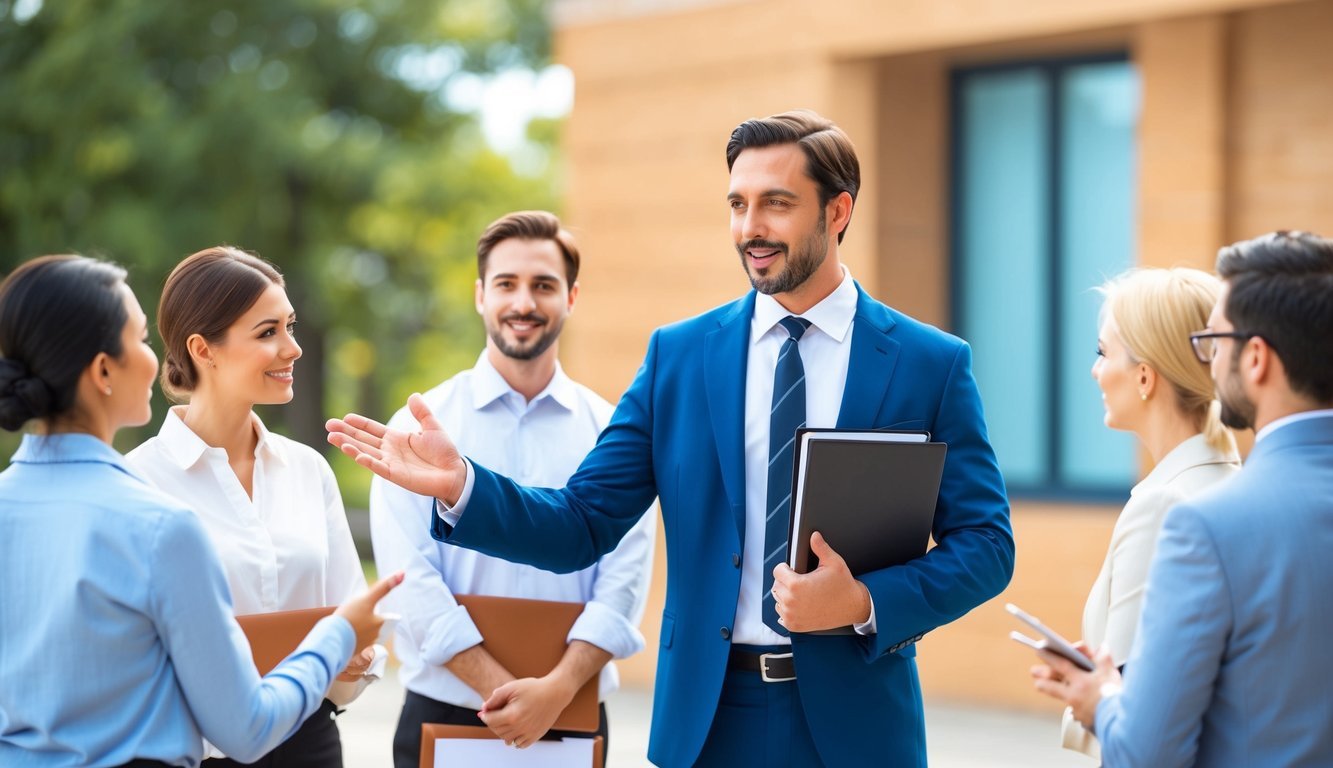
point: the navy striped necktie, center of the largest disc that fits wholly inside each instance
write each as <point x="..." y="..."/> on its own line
<point x="786" y="416"/>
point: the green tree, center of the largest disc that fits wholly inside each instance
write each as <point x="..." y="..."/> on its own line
<point x="315" y="132"/>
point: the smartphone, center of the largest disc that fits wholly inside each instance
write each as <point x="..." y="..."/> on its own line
<point x="1051" y="640"/>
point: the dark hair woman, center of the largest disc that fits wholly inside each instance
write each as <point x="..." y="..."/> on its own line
<point x="119" y="643"/>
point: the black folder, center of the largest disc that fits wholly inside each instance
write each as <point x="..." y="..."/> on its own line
<point x="872" y="494"/>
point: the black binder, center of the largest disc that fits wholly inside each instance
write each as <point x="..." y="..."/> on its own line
<point x="871" y="493"/>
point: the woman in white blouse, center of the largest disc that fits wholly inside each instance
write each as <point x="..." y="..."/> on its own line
<point x="270" y="505"/>
<point x="1154" y="386"/>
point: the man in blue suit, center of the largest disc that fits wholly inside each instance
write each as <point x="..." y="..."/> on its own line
<point x="1231" y="665"/>
<point x="713" y="409"/>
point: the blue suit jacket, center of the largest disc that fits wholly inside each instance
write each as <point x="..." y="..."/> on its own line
<point x="1231" y="666"/>
<point x="677" y="434"/>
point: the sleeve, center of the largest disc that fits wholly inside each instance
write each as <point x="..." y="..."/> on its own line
<point x="973" y="557"/>
<point x="343" y="577"/>
<point x="1170" y="677"/>
<point x="1129" y="573"/>
<point x="611" y="618"/>
<point x="431" y="620"/>
<point x="244" y="715"/>
<point x="568" y="529"/>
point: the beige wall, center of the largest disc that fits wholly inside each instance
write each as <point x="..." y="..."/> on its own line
<point x="1236" y="138"/>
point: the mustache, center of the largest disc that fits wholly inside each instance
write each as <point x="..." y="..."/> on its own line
<point x="757" y="243"/>
<point x="530" y="317"/>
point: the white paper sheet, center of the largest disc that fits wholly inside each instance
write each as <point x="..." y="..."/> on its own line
<point x="492" y="753"/>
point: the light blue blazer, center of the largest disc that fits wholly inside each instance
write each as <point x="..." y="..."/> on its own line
<point x="1232" y="663"/>
<point x="677" y="434"/>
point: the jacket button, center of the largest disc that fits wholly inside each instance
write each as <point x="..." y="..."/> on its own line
<point x="726" y="633"/>
<point x="736" y="559"/>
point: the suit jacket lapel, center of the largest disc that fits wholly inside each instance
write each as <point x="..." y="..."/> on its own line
<point x="873" y="358"/>
<point x="726" y="352"/>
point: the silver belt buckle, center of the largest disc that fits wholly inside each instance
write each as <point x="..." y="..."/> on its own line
<point x="763" y="667"/>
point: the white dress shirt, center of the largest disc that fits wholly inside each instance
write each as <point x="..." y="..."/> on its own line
<point x="287" y="548"/>
<point x="826" y="351"/>
<point x="537" y="443"/>
<point x="1111" y="614"/>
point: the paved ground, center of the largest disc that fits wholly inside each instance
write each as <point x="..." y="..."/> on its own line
<point x="959" y="737"/>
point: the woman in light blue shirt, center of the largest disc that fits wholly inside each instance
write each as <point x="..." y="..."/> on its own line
<point x="117" y="641"/>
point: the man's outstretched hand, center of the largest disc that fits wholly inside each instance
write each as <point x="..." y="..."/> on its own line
<point x="424" y="461"/>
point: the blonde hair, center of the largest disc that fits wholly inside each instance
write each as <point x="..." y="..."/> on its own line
<point x="1155" y="311"/>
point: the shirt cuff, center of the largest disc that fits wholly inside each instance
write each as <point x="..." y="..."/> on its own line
<point x="449" y="635"/>
<point x="868" y="626"/>
<point x="452" y="514"/>
<point x="602" y="626"/>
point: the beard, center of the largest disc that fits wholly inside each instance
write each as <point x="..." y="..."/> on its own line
<point x="533" y="347"/>
<point x="797" y="267"/>
<point x="1237" y="409"/>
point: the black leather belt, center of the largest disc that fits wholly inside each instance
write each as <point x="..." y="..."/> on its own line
<point x="772" y="667"/>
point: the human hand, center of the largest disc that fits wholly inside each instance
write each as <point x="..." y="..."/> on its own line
<point x="825" y="598"/>
<point x="1060" y="679"/>
<point x="359" y="610"/>
<point x="356" y="668"/>
<point x="522" y="711"/>
<point x="425" y="461"/>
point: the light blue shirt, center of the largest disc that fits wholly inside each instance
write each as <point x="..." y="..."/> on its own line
<point x="118" y="640"/>
<point x="539" y="442"/>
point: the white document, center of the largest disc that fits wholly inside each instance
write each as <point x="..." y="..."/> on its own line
<point x="492" y="753"/>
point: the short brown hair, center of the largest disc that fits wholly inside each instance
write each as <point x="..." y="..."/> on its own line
<point x="529" y="225"/>
<point x="205" y="294"/>
<point x="830" y="157"/>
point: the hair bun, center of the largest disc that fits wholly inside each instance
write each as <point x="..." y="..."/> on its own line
<point x="23" y="397"/>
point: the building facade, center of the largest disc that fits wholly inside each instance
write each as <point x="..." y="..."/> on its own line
<point x="1014" y="154"/>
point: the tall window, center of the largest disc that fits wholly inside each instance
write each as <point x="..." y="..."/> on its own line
<point x="1043" y="212"/>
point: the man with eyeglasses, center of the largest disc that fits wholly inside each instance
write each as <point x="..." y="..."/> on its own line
<point x="1231" y="665"/>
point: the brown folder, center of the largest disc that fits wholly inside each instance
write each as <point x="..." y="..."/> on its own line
<point x="273" y="636"/>
<point x="527" y="637"/>
<point x="432" y="731"/>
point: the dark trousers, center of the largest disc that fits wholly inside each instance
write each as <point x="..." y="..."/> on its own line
<point x="418" y="709"/>
<point x="758" y="723"/>
<point x="314" y="745"/>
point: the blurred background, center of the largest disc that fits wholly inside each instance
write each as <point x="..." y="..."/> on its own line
<point x="1015" y="154"/>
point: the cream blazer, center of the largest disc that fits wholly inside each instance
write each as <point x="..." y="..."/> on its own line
<point x="1111" y="614"/>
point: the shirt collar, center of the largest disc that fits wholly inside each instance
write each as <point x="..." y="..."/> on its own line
<point x="185" y="447"/>
<point x="1276" y="424"/>
<point x="833" y="316"/>
<point x="68" y="448"/>
<point x="488" y="386"/>
<point x="1192" y="453"/>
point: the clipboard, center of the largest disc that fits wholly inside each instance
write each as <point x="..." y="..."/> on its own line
<point x="432" y="731"/>
<point x="528" y="637"/>
<point x="274" y="636"/>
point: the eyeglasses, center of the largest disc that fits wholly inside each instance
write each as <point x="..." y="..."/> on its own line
<point x="1205" y="342"/>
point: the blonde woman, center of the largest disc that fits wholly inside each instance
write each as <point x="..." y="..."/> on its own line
<point x="270" y="505"/>
<point x="1154" y="386"/>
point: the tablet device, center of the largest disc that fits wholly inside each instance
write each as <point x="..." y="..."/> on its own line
<point x="1051" y="640"/>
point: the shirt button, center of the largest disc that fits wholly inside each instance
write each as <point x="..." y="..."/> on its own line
<point x="736" y="559"/>
<point x="726" y="633"/>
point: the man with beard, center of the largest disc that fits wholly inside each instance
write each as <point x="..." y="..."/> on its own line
<point x="1230" y="665"/>
<point x="708" y="425"/>
<point x="515" y="410"/>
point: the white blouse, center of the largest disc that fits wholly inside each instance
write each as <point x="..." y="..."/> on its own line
<point x="287" y="548"/>
<point x="1111" y="614"/>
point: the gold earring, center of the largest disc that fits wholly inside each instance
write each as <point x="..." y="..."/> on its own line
<point x="1143" y="396"/>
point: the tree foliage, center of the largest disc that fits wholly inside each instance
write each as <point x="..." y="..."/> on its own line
<point x="315" y="132"/>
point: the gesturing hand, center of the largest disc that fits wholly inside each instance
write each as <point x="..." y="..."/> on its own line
<point x="825" y="598"/>
<point x="424" y="461"/>
<point x="359" y="610"/>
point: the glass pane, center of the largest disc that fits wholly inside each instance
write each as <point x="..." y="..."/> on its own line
<point x="1003" y="234"/>
<point x="1098" y="123"/>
